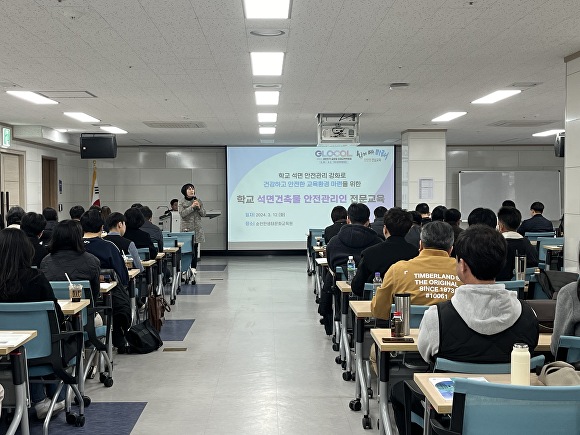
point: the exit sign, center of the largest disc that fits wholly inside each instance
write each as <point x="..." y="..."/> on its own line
<point x="6" y="137"/>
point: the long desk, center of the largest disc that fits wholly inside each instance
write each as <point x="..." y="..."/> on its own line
<point x="384" y="361"/>
<point x="12" y="343"/>
<point x="174" y="251"/>
<point x="344" y="350"/>
<point x="132" y="289"/>
<point x="70" y="308"/>
<point x="159" y="261"/>
<point x="321" y="263"/>
<point x="106" y="288"/>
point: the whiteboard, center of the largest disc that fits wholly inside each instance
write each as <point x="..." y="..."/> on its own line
<point x="490" y="188"/>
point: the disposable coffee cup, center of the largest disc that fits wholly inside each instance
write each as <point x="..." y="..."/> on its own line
<point x="75" y="292"/>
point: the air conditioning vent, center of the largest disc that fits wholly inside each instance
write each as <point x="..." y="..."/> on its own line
<point x="171" y="124"/>
<point x="524" y="84"/>
<point x="59" y="95"/>
<point x="521" y="123"/>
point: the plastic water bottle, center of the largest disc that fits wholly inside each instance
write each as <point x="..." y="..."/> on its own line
<point x="350" y="269"/>
<point x="377" y="281"/>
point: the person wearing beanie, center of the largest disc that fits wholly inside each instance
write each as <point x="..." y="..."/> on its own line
<point x="191" y="211"/>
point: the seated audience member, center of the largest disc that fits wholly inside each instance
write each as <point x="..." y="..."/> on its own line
<point x="378" y="224"/>
<point x="95" y="207"/>
<point x="508" y="203"/>
<point x="136" y="205"/>
<point x="76" y="211"/>
<point x="105" y="212"/>
<point x="379" y="257"/>
<point x="174" y="204"/>
<point x="352" y="239"/>
<point x="567" y="318"/>
<point x="150" y="228"/>
<point x="67" y="255"/>
<point x="110" y="258"/>
<point x="537" y="223"/>
<point x="429" y="278"/>
<point x="338" y="216"/>
<point x="438" y="213"/>
<point x="134" y="219"/>
<point x="509" y="219"/>
<point x="423" y="209"/>
<point x="19" y="282"/>
<point x="483" y="216"/>
<point x="14" y="216"/>
<point x="481" y="322"/>
<point x="51" y="217"/>
<point x="453" y="218"/>
<point x="33" y="225"/>
<point x="117" y="227"/>
<point x="414" y="235"/>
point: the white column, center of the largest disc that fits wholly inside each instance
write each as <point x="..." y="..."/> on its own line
<point x="424" y="168"/>
<point x="572" y="164"/>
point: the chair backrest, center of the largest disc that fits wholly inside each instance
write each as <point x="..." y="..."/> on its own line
<point x="313" y="233"/>
<point x="447" y="365"/>
<point x="30" y="316"/>
<point x="543" y="241"/>
<point x="533" y="236"/>
<point x="182" y="237"/>
<point x="60" y="289"/>
<point x="416" y="312"/>
<point x="488" y="408"/>
<point x="515" y="285"/>
<point x="568" y="348"/>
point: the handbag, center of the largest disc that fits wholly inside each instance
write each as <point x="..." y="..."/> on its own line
<point x="553" y="280"/>
<point x="545" y="310"/>
<point x="156" y="308"/>
<point x="559" y="373"/>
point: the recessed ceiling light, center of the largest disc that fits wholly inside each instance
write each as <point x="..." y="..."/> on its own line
<point x="267" y="98"/>
<point x="267" y="33"/>
<point x="267" y="64"/>
<point x="32" y="97"/>
<point x="267" y="130"/>
<point x="496" y="96"/>
<point x="276" y="9"/>
<point x="82" y="117"/>
<point x="115" y="130"/>
<point x="548" y="133"/>
<point x="448" y="116"/>
<point x="267" y="117"/>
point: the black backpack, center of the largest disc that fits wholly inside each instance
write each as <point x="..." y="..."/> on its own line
<point x="143" y="338"/>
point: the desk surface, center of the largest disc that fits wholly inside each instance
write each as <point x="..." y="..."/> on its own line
<point x="160" y="255"/>
<point x="69" y="308"/>
<point x="322" y="261"/>
<point x="442" y="406"/>
<point x="554" y="247"/>
<point x="11" y="340"/>
<point x="147" y="263"/>
<point x="378" y="334"/>
<point x="133" y="273"/>
<point x="106" y="287"/>
<point x="361" y="309"/>
<point x="318" y="248"/>
<point x="171" y="249"/>
<point x="343" y="286"/>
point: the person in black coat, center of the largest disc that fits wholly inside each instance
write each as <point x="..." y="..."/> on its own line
<point x="537" y="223"/>
<point x="33" y="225"/>
<point x="338" y="216"/>
<point x="352" y="239"/>
<point x="67" y="255"/>
<point x="51" y="217"/>
<point x="19" y="282"/>
<point x="509" y="219"/>
<point x="134" y="220"/>
<point x="378" y="258"/>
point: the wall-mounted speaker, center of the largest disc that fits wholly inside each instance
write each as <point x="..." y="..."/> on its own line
<point x="559" y="144"/>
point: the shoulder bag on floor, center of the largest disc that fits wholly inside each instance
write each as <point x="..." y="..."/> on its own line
<point x="143" y="338"/>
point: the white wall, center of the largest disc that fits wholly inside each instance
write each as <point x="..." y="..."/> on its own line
<point x="153" y="176"/>
<point x="70" y="168"/>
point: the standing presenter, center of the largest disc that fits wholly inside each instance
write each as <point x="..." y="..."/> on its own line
<point x="191" y="211"/>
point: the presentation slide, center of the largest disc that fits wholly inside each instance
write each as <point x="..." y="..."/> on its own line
<point x="275" y="194"/>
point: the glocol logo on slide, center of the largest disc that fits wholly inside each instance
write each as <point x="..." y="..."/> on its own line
<point x="332" y="153"/>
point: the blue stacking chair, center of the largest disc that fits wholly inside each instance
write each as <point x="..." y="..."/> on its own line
<point x="188" y="240"/>
<point x="533" y="236"/>
<point x="96" y="337"/>
<point x="515" y="285"/>
<point x="482" y="408"/>
<point x="313" y="233"/>
<point x="46" y="352"/>
<point x="568" y="349"/>
<point x="447" y="365"/>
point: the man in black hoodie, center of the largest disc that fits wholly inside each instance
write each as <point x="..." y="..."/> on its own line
<point x="352" y="239"/>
